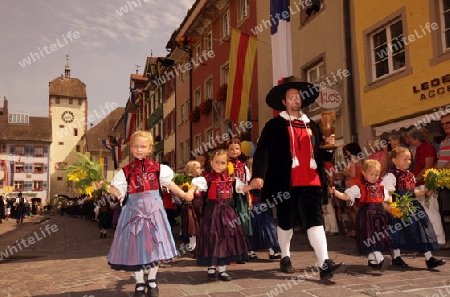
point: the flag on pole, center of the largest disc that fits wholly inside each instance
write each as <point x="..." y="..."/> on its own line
<point x="130" y="119"/>
<point x="107" y="144"/>
<point x="241" y="61"/>
<point x="280" y="31"/>
<point x="117" y="153"/>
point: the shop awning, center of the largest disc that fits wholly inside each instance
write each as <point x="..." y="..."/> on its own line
<point x="419" y="121"/>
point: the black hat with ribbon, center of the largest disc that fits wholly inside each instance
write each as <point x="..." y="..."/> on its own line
<point x="308" y="92"/>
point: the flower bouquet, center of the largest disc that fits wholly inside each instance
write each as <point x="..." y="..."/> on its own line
<point x="403" y="206"/>
<point x="84" y="173"/>
<point x="184" y="182"/>
<point x="436" y="180"/>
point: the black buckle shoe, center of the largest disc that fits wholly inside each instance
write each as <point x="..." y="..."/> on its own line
<point x="373" y="266"/>
<point x="275" y="256"/>
<point x="286" y="265"/>
<point x="385" y="264"/>
<point x="152" y="292"/>
<point x="212" y="276"/>
<point x="329" y="268"/>
<point x="398" y="262"/>
<point x="139" y="293"/>
<point x="433" y="262"/>
<point x="223" y="276"/>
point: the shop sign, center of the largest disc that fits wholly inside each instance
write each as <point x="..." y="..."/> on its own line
<point x="433" y="87"/>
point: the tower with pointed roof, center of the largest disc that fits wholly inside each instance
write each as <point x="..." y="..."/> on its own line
<point x="68" y="108"/>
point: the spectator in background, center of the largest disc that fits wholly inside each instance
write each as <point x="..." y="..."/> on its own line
<point x="443" y="161"/>
<point x="353" y="175"/>
<point x="426" y="157"/>
<point x="379" y="153"/>
<point x="395" y="139"/>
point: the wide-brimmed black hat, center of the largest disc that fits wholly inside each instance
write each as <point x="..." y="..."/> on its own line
<point x="308" y="92"/>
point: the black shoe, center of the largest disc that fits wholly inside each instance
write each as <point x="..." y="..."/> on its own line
<point x="329" y="268"/>
<point x="152" y="292"/>
<point x="385" y="264"/>
<point x="398" y="262"/>
<point x="275" y="256"/>
<point x="252" y="256"/>
<point x="240" y="262"/>
<point x="212" y="276"/>
<point x="223" y="276"/>
<point x="140" y="293"/>
<point x="373" y="266"/>
<point x="433" y="262"/>
<point x="286" y="265"/>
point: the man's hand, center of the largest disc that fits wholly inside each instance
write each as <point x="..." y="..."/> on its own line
<point x="330" y="139"/>
<point x="257" y="183"/>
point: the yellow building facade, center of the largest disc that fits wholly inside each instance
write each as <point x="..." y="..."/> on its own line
<point x="401" y="63"/>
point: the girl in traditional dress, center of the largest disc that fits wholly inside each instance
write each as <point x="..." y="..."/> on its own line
<point x="242" y="201"/>
<point x="221" y="239"/>
<point x="417" y="232"/>
<point x="143" y="235"/>
<point x="192" y="210"/>
<point x="372" y="221"/>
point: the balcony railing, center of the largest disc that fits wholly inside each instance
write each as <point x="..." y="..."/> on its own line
<point x="155" y="117"/>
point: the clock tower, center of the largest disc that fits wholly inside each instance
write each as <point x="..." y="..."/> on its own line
<point x="68" y="110"/>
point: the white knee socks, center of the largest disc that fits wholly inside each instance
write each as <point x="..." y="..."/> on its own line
<point x="139" y="276"/>
<point x="284" y="239"/>
<point x="318" y="241"/>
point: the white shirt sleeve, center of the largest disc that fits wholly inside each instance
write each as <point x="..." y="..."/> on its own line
<point x="248" y="175"/>
<point x="120" y="183"/>
<point x="200" y="183"/>
<point x="353" y="192"/>
<point x="389" y="182"/>
<point x="239" y="186"/>
<point x="386" y="194"/>
<point x="165" y="175"/>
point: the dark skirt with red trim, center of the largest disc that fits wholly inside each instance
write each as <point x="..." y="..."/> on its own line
<point x="191" y="215"/>
<point x="221" y="238"/>
<point x="372" y="233"/>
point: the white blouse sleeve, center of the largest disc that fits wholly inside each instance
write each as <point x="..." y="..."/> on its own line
<point x="200" y="183"/>
<point x="353" y="192"/>
<point x="386" y="194"/>
<point x="248" y="175"/>
<point x="239" y="185"/>
<point x="120" y="183"/>
<point x="389" y="182"/>
<point x="165" y="175"/>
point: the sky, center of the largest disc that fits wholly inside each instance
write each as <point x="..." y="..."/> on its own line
<point x="104" y="39"/>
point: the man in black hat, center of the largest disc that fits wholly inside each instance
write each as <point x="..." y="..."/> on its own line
<point x="288" y="166"/>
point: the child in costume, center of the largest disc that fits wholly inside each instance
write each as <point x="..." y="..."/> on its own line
<point x="416" y="233"/>
<point x="143" y="235"/>
<point x="221" y="239"/>
<point x="372" y="218"/>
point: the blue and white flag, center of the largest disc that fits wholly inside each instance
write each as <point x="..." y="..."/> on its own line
<point x="280" y="30"/>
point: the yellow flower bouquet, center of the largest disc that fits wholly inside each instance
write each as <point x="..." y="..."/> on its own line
<point x="84" y="173"/>
<point x="403" y="206"/>
<point x="184" y="182"/>
<point x="436" y="180"/>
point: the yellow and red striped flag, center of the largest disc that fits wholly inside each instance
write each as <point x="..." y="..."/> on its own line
<point x="241" y="61"/>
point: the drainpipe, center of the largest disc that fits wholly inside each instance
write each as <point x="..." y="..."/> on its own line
<point x="349" y="65"/>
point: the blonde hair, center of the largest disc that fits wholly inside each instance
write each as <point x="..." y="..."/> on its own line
<point x="219" y="152"/>
<point x="144" y="134"/>
<point x="371" y="164"/>
<point x="399" y="150"/>
<point x="190" y="166"/>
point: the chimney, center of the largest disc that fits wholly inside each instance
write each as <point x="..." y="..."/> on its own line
<point x="5" y="105"/>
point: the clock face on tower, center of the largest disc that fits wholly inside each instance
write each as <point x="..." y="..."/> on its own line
<point x="67" y="116"/>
